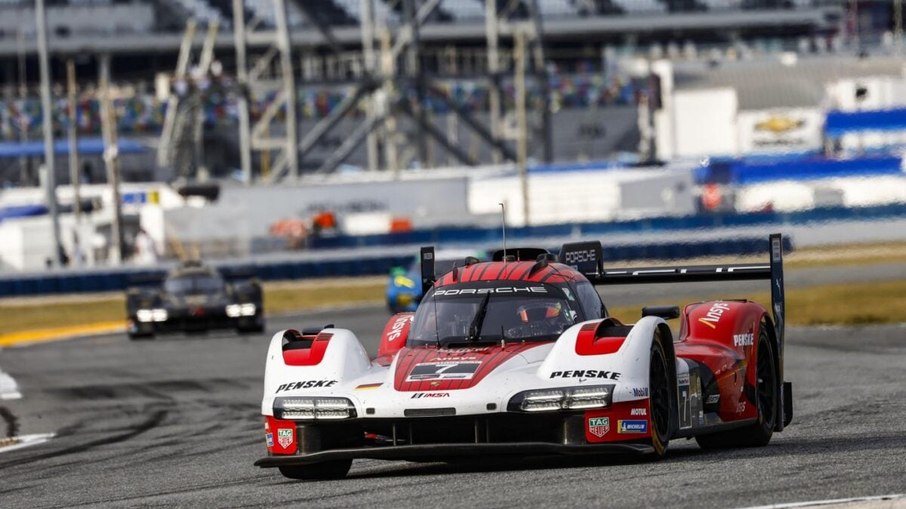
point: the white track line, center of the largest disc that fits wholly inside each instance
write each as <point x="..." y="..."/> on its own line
<point x="8" y="387"/>
<point x="897" y="501"/>
<point x="23" y="441"/>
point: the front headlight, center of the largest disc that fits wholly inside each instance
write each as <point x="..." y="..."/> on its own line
<point x="566" y="398"/>
<point x="237" y="310"/>
<point x="313" y="408"/>
<point x="151" y="315"/>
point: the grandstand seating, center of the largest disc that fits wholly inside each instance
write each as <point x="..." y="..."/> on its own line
<point x="65" y="18"/>
<point x="117" y="16"/>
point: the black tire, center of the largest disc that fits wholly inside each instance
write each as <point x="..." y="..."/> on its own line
<point x="659" y="387"/>
<point x="336" y="469"/>
<point x="758" y="434"/>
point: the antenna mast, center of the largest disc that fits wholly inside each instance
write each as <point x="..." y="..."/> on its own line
<point x="503" y="226"/>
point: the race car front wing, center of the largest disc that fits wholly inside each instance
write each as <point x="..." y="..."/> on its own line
<point x="439" y="452"/>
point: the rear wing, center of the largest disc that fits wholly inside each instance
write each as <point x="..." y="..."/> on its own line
<point x="586" y="257"/>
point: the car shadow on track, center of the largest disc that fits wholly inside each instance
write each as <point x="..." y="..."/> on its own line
<point x="484" y="464"/>
<point x="686" y="453"/>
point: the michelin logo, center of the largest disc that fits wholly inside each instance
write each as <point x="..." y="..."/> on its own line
<point x="632" y="426"/>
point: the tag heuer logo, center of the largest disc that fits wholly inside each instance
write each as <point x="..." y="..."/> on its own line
<point x="285" y="437"/>
<point x="599" y="426"/>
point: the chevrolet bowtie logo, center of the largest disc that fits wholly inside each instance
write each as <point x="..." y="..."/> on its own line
<point x="779" y="124"/>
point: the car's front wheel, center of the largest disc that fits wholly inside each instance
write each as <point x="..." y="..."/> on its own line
<point x="659" y="397"/>
<point x="327" y="470"/>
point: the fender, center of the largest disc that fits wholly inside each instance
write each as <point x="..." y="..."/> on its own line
<point x="623" y="360"/>
<point x="343" y="358"/>
<point x="394" y="336"/>
<point x="722" y="336"/>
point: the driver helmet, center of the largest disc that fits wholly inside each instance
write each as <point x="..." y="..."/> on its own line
<point x="537" y="311"/>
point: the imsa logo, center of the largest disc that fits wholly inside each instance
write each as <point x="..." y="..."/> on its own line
<point x="599" y="426"/>
<point x="712" y="318"/>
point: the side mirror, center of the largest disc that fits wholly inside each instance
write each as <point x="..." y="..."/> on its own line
<point x="665" y="312"/>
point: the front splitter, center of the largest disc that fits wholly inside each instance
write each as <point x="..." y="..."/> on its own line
<point x="443" y="451"/>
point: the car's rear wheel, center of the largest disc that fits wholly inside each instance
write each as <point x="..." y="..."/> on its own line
<point x="759" y="433"/>
<point x="659" y="397"/>
<point x="336" y="469"/>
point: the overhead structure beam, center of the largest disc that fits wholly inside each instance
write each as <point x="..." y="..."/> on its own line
<point x="349" y="144"/>
<point x="464" y="115"/>
<point x="311" y="12"/>
<point x="50" y="182"/>
<point x="540" y="71"/>
<point x="416" y="78"/>
<point x="182" y="65"/>
<point x="111" y="149"/>
<point x="325" y="125"/>
<point x="263" y="137"/>
<point x="429" y="128"/>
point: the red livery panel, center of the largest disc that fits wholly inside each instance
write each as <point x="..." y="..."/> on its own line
<point x="395" y="334"/>
<point x="589" y="343"/>
<point x="280" y="436"/>
<point x="311" y="356"/>
<point x="618" y="423"/>
<point x="721" y="336"/>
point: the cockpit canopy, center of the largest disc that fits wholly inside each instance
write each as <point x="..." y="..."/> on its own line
<point x="194" y="282"/>
<point x="494" y="311"/>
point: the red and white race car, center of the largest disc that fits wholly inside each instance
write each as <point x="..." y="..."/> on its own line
<point x="519" y="356"/>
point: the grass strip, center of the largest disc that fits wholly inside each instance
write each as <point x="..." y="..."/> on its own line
<point x="838" y="304"/>
<point x="278" y="298"/>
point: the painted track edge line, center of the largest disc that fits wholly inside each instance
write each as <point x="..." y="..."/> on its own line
<point x="60" y="333"/>
<point x="833" y="502"/>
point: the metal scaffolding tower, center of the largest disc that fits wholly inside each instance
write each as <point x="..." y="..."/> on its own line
<point x="270" y="75"/>
<point x="394" y="89"/>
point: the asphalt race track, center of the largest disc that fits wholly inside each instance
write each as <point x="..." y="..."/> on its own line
<point x="175" y="422"/>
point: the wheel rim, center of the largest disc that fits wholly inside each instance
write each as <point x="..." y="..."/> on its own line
<point x="660" y="398"/>
<point x="766" y="383"/>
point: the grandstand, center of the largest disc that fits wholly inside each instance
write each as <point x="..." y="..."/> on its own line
<point x="144" y="21"/>
<point x="584" y="39"/>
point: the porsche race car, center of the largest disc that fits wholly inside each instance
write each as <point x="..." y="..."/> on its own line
<point x="195" y="297"/>
<point x="519" y="356"/>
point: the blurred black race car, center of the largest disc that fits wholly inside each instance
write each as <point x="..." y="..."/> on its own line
<point x="195" y="297"/>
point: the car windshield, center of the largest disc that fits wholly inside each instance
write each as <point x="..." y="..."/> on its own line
<point x="194" y="284"/>
<point x="467" y="313"/>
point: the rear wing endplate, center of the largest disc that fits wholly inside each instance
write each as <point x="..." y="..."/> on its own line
<point x="426" y="256"/>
